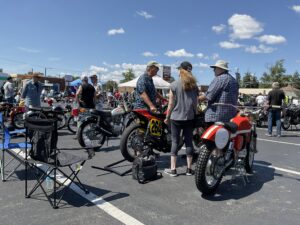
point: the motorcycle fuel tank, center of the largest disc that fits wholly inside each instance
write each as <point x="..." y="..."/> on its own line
<point x="117" y="111"/>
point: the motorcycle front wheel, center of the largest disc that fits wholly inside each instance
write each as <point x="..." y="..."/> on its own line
<point x="89" y="135"/>
<point x="208" y="174"/>
<point x="72" y="125"/>
<point x="131" y="143"/>
<point x="18" y="120"/>
<point x="286" y="122"/>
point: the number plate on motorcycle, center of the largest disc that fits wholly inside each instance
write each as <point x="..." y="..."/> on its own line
<point x="155" y="127"/>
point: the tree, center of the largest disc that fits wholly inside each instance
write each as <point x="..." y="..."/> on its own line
<point x="276" y="73"/>
<point x="128" y="76"/>
<point x="250" y="81"/>
<point x="110" y="85"/>
<point x="296" y="80"/>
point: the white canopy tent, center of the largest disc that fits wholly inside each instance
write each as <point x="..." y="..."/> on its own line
<point x="159" y="83"/>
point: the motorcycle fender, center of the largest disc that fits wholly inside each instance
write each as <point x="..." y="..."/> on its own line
<point x="88" y="118"/>
<point x="129" y="118"/>
<point x="210" y="133"/>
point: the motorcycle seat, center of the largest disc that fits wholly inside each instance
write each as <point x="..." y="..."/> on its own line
<point x="232" y="127"/>
<point x="104" y="113"/>
<point x="158" y="115"/>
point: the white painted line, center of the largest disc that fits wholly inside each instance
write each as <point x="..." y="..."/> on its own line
<point x="278" y="168"/>
<point x="281" y="142"/>
<point x="107" y="207"/>
<point x="282" y="131"/>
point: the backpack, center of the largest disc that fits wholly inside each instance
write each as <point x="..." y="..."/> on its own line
<point x="43" y="145"/>
<point x="144" y="169"/>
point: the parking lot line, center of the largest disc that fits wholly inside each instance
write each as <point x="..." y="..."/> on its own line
<point x="107" y="207"/>
<point x="278" y="168"/>
<point x="286" y="132"/>
<point x="281" y="142"/>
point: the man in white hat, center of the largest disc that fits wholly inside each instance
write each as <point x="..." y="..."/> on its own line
<point x="223" y="89"/>
<point x="146" y="92"/>
<point x="275" y="100"/>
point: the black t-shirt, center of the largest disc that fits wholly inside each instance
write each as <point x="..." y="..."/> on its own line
<point x="275" y="97"/>
<point x="87" y="96"/>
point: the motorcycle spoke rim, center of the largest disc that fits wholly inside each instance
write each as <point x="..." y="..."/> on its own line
<point x="209" y="172"/>
<point x="90" y="133"/>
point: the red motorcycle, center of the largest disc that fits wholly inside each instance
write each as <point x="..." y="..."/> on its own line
<point x="226" y="145"/>
<point x="17" y="116"/>
<point x="147" y="133"/>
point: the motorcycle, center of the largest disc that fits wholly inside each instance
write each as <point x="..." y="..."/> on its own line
<point x="262" y="116"/>
<point x="291" y="116"/>
<point x="100" y="125"/>
<point x="226" y="145"/>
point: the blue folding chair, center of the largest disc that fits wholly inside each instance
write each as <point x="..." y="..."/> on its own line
<point x="14" y="150"/>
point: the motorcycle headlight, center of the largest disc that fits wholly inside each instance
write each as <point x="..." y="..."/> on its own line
<point x="221" y="138"/>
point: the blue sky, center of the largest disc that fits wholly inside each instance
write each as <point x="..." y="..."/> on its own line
<point x="108" y="37"/>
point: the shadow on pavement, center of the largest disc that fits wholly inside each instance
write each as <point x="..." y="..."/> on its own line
<point x="235" y="189"/>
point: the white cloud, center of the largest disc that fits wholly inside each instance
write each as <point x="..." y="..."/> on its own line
<point x="53" y="59"/>
<point x="179" y="53"/>
<point x="296" y="8"/>
<point x="29" y="50"/>
<point x="97" y="69"/>
<point x="272" y="39"/>
<point x="219" y="28"/>
<point x="259" y="49"/>
<point x="145" y="14"/>
<point x="204" y="65"/>
<point x="215" y="56"/>
<point x="200" y="55"/>
<point x="115" y="31"/>
<point x="149" y="54"/>
<point x="229" y="45"/>
<point x="244" y="26"/>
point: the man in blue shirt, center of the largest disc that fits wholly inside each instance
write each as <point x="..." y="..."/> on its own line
<point x="223" y="89"/>
<point x="32" y="92"/>
<point x="145" y="89"/>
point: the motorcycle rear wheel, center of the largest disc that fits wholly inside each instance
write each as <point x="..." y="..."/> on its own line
<point x="88" y="130"/>
<point x="251" y="149"/>
<point x="131" y="136"/>
<point x="207" y="182"/>
<point x="286" y="122"/>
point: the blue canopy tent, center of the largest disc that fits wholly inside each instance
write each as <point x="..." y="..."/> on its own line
<point x="75" y="83"/>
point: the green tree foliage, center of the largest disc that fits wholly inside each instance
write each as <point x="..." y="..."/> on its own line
<point x="110" y="85"/>
<point x="249" y="81"/>
<point x="296" y="80"/>
<point x="128" y="76"/>
<point x="275" y="73"/>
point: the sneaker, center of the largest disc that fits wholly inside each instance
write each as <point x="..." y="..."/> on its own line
<point x="189" y="172"/>
<point x="279" y="135"/>
<point x="269" y="135"/>
<point x="172" y="173"/>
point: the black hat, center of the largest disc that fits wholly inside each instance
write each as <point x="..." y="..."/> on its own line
<point x="186" y="66"/>
<point x="9" y="78"/>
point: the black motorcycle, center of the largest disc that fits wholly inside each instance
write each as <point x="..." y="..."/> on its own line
<point x="99" y="125"/>
<point x="291" y="116"/>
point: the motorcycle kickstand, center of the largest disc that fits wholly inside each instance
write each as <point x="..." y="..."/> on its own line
<point x="239" y="171"/>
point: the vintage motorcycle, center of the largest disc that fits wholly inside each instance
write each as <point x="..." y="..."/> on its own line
<point x="226" y="145"/>
<point x="148" y="133"/>
<point x="99" y="125"/>
<point x="291" y="116"/>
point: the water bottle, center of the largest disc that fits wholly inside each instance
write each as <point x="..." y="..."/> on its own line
<point x="49" y="181"/>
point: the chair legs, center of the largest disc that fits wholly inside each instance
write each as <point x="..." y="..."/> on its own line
<point x="4" y="165"/>
<point x="66" y="181"/>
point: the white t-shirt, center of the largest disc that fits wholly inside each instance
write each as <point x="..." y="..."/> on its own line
<point x="9" y="90"/>
<point x="260" y="99"/>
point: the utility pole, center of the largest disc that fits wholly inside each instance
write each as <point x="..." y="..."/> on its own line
<point x="45" y="71"/>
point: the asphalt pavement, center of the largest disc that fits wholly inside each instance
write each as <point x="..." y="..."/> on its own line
<point x="271" y="196"/>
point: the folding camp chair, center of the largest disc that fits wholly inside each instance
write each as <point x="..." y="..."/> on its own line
<point x="52" y="159"/>
<point x="12" y="149"/>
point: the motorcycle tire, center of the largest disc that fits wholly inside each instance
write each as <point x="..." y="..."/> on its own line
<point x="61" y="123"/>
<point x="18" y="120"/>
<point x="251" y="149"/>
<point x="286" y="122"/>
<point x="124" y="141"/>
<point x="201" y="181"/>
<point x="72" y="125"/>
<point x="82" y="139"/>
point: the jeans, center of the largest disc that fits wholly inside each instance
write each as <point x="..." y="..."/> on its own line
<point x="274" y="115"/>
